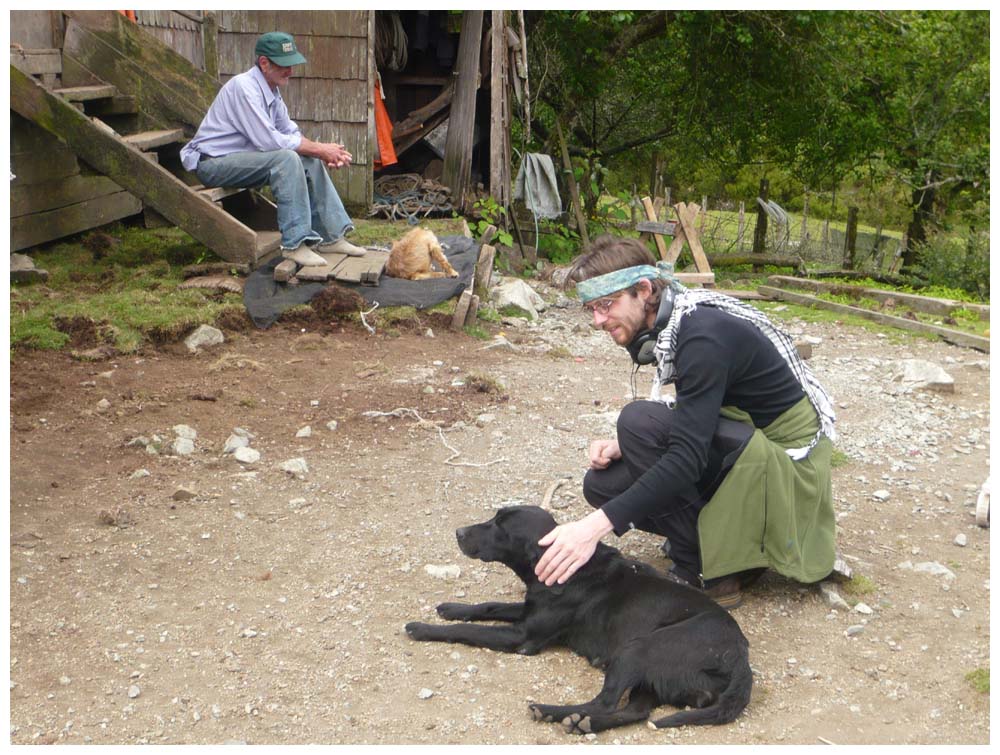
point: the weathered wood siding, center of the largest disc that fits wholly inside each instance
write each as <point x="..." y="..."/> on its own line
<point x="179" y="33"/>
<point x="36" y="29"/>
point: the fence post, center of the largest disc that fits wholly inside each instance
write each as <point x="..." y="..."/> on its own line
<point x="704" y="214"/>
<point x="852" y="237"/>
<point x="740" y="228"/>
<point x="826" y="237"/>
<point x="805" y="217"/>
<point x="666" y="195"/>
<point x="760" y="230"/>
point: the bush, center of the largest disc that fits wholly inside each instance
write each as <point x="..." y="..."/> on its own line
<point x="957" y="263"/>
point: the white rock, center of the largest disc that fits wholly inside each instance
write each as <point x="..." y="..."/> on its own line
<point x="103" y="405"/>
<point x="304" y="432"/>
<point x="428" y="333"/>
<point x="295" y="466"/>
<point x="881" y="495"/>
<point x="246" y="455"/>
<point x="425" y="694"/>
<point x="185" y="431"/>
<point x="832" y="596"/>
<point x="182" y="446"/>
<point x="332" y="425"/>
<point x="961" y="540"/>
<point x="139" y="474"/>
<point x="234" y="442"/>
<point x="134" y="691"/>
<point x="447" y="571"/>
<point x="864" y="608"/>
<point x="917" y="373"/>
<point x="519" y="294"/>
<point x="935" y="569"/>
<point x="202" y="337"/>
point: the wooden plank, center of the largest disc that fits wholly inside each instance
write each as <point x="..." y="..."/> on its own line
<point x="927" y="304"/>
<point x="661" y="246"/>
<point x="109" y="154"/>
<point x="44" y="167"/>
<point x="366" y="270"/>
<point x="169" y="89"/>
<point x="484" y="269"/>
<point x="32" y="198"/>
<point x="33" y="29"/>
<point x="687" y="214"/>
<point x="217" y="193"/>
<point x="147" y="140"/>
<point x="86" y="93"/>
<point x="119" y="104"/>
<point x="581" y="221"/>
<point x="473" y="312"/>
<point x="664" y="229"/>
<point x="461" y="310"/>
<point x="952" y="336"/>
<point x="692" y="279"/>
<point x="37" y="62"/>
<point x="461" y="122"/>
<point x="498" y="93"/>
<point x="30" y="230"/>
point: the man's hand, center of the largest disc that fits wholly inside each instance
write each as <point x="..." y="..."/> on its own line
<point x="570" y="546"/>
<point x="603" y="452"/>
<point x="334" y="155"/>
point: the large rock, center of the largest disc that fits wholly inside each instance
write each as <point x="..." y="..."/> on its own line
<point x="23" y="270"/>
<point x="202" y="337"/>
<point x="519" y="294"/>
<point x="918" y="373"/>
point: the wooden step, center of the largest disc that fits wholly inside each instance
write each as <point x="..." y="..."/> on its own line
<point x="216" y="193"/>
<point x="268" y="244"/>
<point x="85" y="94"/>
<point x="37" y="62"/>
<point x="148" y="140"/>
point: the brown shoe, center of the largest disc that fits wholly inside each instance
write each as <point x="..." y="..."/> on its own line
<point x="726" y="591"/>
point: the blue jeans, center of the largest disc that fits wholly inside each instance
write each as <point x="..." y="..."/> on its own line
<point x="309" y="208"/>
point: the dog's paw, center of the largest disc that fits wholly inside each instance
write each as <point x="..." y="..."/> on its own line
<point x="577" y="724"/>
<point x="453" y="611"/>
<point x="538" y="714"/>
<point x="417" y="630"/>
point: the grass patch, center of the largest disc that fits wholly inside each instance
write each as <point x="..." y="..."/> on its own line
<point x="838" y="458"/>
<point x="980" y="680"/>
<point x="477" y="331"/>
<point x="859" y="585"/>
<point x="384" y="232"/>
<point x="484" y="384"/>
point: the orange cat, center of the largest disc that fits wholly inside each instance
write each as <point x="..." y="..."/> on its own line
<point x="411" y="257"/>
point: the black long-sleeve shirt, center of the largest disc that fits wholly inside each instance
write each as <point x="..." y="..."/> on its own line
<point x="721" y="360"/>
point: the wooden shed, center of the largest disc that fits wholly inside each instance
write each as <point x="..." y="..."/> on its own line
<point x="332" y="98"/>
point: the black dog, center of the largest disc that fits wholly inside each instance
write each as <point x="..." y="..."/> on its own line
<point x="658" y="641"/>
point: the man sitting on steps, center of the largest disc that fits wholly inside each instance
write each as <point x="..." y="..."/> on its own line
<point x="248" y="140"/>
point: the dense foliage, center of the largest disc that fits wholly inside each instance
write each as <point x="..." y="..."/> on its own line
<point x="889" y="105"/>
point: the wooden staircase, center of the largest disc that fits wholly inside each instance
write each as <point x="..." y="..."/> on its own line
<point x="107" y="128"/>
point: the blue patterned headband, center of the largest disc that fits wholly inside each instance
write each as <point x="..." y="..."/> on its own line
<point x="618" y="280"/>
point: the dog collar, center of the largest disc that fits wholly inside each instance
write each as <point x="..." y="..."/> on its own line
<point x="618" y="280"/>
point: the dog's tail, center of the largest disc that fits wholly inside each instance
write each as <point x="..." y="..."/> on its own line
<point x="727" y="708"/>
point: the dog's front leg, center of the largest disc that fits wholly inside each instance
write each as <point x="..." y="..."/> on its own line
<point x="481" y="611"/>
<point x="507" y="639"/>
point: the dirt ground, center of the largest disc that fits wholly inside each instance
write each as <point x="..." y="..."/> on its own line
<point x="190" y="598"/>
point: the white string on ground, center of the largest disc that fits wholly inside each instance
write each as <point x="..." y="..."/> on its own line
<point x="405" y="411"/>
<point x="364" y="322"/>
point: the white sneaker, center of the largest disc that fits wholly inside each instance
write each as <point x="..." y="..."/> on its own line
<point x="303" y="256"/>
<point x="341" y="246"/>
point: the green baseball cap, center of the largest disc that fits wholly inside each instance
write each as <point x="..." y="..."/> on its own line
<point x="279" y="48"/>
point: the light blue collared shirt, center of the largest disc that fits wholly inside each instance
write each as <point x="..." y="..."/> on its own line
<point x="246" y="116"/>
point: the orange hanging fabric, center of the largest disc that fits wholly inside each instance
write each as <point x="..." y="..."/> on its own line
<point x="129" y="14"/>
<point x="385" y="151"/>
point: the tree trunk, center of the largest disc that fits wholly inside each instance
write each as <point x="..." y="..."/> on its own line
<point x="916" y="231"/>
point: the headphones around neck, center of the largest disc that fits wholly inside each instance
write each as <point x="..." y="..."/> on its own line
<point x="641" y="347"/>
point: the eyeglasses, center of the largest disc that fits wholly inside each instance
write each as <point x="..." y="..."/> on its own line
<point x="600" y="305"/>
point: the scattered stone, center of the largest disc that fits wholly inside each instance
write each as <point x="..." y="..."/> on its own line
<point x="182" y="446"/>
<point x="499" y="342"/>
<point x="295" y="466"/>
<point x="134" y="692"/>
<point x="935" y="569"/>
<point x="856" y="629"/>
<point x="139" y="474"/>
<point x="446" y="572"/>
<point x="23" y="270"/>
<point x="917" y="373"/>
<point x="961" y="540"/>
<point x="234" y="442"/>
<point x="881" y="495"/>
<point x="304" y="432"/>
<point x="425" y="694"/>
<point x="428" y="333"/>
<point x="957" y="613"/>
<point x="183" y="494"/>
<point x="298" y="503"/>
<point x="517" y="293"/>
<point x="248" y="633"/>
<point x="485" y="419"/>
<point x="203" y="337"/>
<point x="246" y="455"/>
<point x="332" y="425"/>
<point x="833" y="598"/>
<point x="185" y="431"/>
<point x="103" y="405"/>
<point x="864" y="608"/>
<point x="65" y="681"/>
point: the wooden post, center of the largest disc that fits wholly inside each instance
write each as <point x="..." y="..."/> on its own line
<point x="851" y="238"/>
<point x="458" y="144"/>
<point x="740" y="229"/>
<point x="804" y="237"/>
<point x="826" y="237"/>
<point x="573" y="190"/>
<point x="210" y="43"/>
<point x="703" y="214"/>
<point x="760" y="230"/>
<point x="666" y="202"/>
<point x="499" y="189"/>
